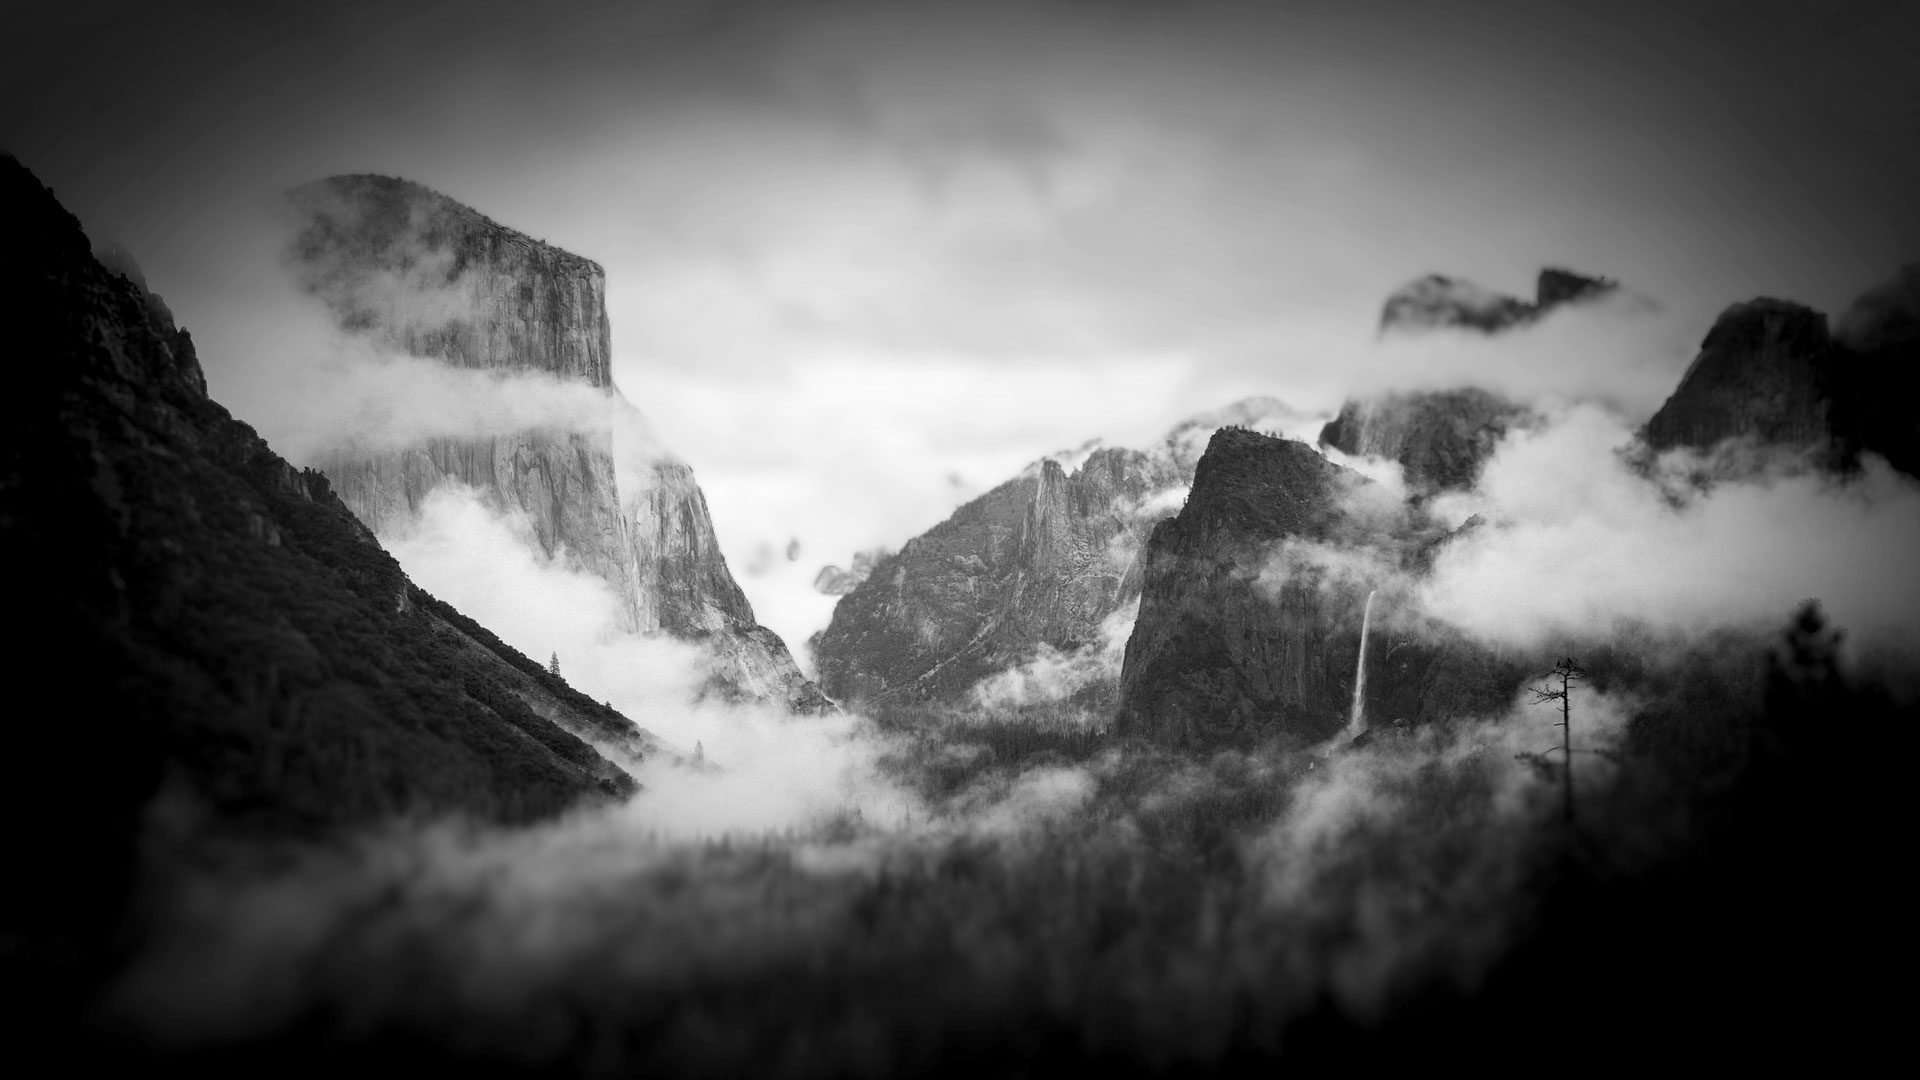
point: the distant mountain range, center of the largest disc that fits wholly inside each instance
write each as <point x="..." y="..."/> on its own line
<point x="1032" y="576"/>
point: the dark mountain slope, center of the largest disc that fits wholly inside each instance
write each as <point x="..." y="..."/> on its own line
<point x="1242" y="640"/>
<point x="194" y="616"/>
<point x="1771" y="373"/>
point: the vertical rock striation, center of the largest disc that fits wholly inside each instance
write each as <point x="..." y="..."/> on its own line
<point x="419" y="274"/>
<point x="1248" y="633"/>
<point x="1039" y="568"/>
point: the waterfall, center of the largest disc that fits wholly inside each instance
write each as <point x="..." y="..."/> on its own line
<point x="1358" y="722"/>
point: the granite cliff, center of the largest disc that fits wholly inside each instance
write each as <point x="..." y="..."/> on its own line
<point x="1044" y="568"/>
<point x="1770" y="373"/>
<point x="421" y="275"/>
<point x="1248" y="632"/>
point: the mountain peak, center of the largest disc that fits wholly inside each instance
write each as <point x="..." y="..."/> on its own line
<point x="1441" y="301"/>
<point x="1557" y="286"/>
<point x="432" y="277"/>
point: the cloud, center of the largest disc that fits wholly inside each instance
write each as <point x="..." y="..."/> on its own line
<point x="764" y="770"/>
<point x="1053" y="676"/>
<point x="1579" y="544"/>
<point x="1621" y="350"/>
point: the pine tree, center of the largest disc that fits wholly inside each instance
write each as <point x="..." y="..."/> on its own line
<point x="1568" y="673"/>
<point x="553" y="665"/>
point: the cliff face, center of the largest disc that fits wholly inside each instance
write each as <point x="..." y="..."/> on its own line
<point x="1040" y="560"/>
<point x="218" y="622"/>
<point x="1770" y="373"/>
<point x="1761" y="373"/>
<point x="423" y="275"/>
<point x="434" y="278"/>
<point x="1440" y="438"/>
<point x="1244" y="637"/>
<point x="1036" y="567"/>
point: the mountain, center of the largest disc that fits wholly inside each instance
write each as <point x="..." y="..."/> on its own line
<point x="1438" y="301"/>
<point x="416" y="273"/>
<point x="210" y="640"/>
<point x="1042" y="569"/>
<point x="1771" y="373"/>
<point x="1441" y="438"/>
<point x="1255" y="597"/>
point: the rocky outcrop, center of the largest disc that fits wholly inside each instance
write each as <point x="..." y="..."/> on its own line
<point x="422" y="275"/>
<point x="225" y="643"/>
<point x="1251" y="611"/>
<point x="1440" y="438"/>
<point x="1040" y="560"/>
<point x="1761" y="373"/>
<point x="1037" y="568"/>
<point x="1437" y="302"/>
<point x="1770" y="374"/>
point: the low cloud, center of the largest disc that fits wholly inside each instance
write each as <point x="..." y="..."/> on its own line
<point x="1621" y="350"/>
<point x="762" y="768"/>
<point x="1578" y="543"/>
<point x="1053" y="676"/>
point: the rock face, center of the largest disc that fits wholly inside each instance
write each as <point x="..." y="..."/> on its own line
<point x="1246" y="636"/>
<point x="1441" y="438"/>
<point x="1438" y="301"/>
<point x="1037" y="568"/>
<point x="1770" y="373"/>
<point x="1040" y="560"/>
<point x="221" y="627"/>
<point x="1880" y="332"/>
<point x="1211" y="659"/>
<point x="422" y="275"/>
<point x="1761" y="373"/>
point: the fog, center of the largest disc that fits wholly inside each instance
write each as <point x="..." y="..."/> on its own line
<point x="1578" y="542"/>
<point x="866" y="261"/>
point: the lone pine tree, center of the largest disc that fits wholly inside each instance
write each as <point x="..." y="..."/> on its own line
<point x="1568" y="673"/>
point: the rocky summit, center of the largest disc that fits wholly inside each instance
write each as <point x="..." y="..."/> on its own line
<point x="1771" y="374"/>
<point x="1439" y="301"/>
<point x="421" y="275"/>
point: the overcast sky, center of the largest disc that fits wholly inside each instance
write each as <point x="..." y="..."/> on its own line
<point x="866" y="259"/>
